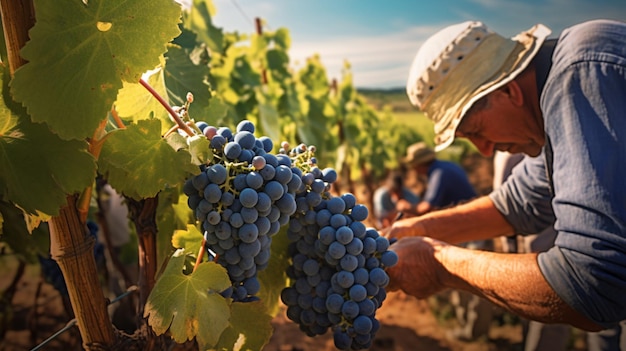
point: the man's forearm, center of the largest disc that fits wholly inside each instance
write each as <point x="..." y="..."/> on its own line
<point x="475" y="220"/>
<point x="488" y="274"/>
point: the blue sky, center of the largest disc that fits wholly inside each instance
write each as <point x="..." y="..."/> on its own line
<point x="380" y="38"/>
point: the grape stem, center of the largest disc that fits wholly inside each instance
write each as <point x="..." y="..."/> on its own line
<point x="95" y="146"/>
<point x="169" y="108"/>
<point x="200" y="254"/>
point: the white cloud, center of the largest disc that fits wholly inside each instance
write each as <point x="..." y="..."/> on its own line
<point x="380" y="61"/>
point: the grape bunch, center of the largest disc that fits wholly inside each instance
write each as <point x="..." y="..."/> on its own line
<point x="241" y="198"/>
<point x="337" y="264"/>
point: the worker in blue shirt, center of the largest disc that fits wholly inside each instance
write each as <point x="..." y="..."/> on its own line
<point x="562" y="102"/>
<point x="447" y="183"/>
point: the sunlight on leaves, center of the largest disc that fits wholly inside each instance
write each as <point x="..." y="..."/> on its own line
<point x="134" y="102"/>
<point x="190" y="239"/>
<point x="189" y="305"/>
<point x="78" y="55"/>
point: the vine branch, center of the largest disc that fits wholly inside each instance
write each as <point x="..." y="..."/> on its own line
<point x="169" y="108"/>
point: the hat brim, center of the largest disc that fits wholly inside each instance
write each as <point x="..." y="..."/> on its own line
<point x="538" y="35"/>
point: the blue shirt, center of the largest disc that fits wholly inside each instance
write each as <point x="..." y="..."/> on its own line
<point x="447" y="185"/>
<point x="579" y="181"/>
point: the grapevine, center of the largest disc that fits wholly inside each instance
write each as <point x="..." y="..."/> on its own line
<point x="242" y="197"/>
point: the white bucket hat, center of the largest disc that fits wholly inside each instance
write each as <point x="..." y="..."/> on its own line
<point x="462" y="63"/>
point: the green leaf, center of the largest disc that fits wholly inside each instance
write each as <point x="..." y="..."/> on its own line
<point x="182" y="76"/>
<point x="199" y="147"/>
<point x="79" y="54"/>
<point x="190" y="239"/>
<point x="39" y="169"/>
<point x="250" y="328"/>
<point x="282" y="38"/>
<point x="139" y="163"/>
<point x="273" y="279"/>
<point x="173" y="213"/>
<point x="189" y="305"/>
<point x="134" y="101"/>
<point x="198" y="20"/>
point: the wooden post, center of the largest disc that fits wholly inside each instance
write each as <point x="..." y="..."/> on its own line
<point x="18" y="16"/>
<point x="70" y="245"/>
<point x="259" y="31"/>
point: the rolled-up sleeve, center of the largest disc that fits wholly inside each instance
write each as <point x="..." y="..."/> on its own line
<point x="525" y="199"/>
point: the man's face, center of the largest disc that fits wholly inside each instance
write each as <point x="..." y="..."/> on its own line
<point x="502" y="125"/>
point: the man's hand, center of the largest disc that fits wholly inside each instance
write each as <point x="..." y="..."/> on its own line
<point x="404" y="228"/>
<point x="418" y="271"/>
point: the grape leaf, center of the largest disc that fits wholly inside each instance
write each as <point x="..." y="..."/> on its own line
<point x="189" y="239"/>
<point x="39" y="169"/>
<point x="173" y="213"/>
<point x="198" y="20"/>
<point x="244" y="332"/>
<point x="79" y="53"/>
<point x="189" y="305"/>
<point x="183" y="76"/>
<point x="134" y="101"/>
<point x="199" y="147"/>
<point x="273" y="279"/>
<point x="138" y="162"/>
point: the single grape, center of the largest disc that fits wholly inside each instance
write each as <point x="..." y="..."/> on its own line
<point x="329" y="175"/>
<point x="336" y="205"/>
<point x="245" y="125"/>
<point x="343" y="234"/>
<point x="311" y="267"/>
<point x="334" y="303"/>
<point x="232" y="150"/>
<point x="218" y="142"/>
<point x="209" y="132"/>
<point x="345" y="279"/>
<point x="212" y="193"/>
<point x="217" y="173"/>
<point x="245" y="139"/>
<point x="248" y="233"/>
<point x="342" y="340"/>
<point x="358" y="292"/>
<point x="258" y="162"/>
<point x="388" y="258"/>
<point x="248" y="197"/>
<point x="336" y="250"/>
<point x="367" y="307"/>
<point x="268" y="145"/>
<point x="379" y="277"/>
<point x="225" y="132"/>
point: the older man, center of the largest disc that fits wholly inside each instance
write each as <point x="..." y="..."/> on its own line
<point x="563" y="102"/>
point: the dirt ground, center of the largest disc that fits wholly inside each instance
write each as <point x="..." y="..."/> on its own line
<point x="406" y="323"/>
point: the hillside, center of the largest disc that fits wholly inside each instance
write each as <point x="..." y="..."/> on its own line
<point x="395" y="99"/>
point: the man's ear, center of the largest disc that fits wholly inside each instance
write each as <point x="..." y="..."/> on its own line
<point x="513" y="92"/>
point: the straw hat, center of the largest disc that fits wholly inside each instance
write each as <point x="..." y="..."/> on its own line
<point x="418" y="153"/>
<point x="462" y="63"/>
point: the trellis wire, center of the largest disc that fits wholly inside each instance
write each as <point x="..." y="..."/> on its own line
<point x="73" y="322"/>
